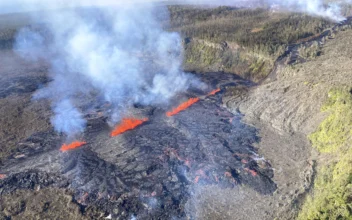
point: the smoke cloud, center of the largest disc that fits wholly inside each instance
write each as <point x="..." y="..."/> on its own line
<point x="313" y="7"/>
<point x="330" y="10"/>
<point x="120" y="54"/>
<point x="67" y="118"/>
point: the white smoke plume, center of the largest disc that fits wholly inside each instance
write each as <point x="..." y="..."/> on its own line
<point x="67" y="118"/>
<point x="327" y="9"/>
<point x="121" y="54"/>
<point x="313" y="7"/>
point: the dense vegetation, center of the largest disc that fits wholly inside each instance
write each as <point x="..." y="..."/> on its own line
<point x="332" y="194"/>
<point x="259" y="29"/>
<point x="243" y="41"/>
<point x="337" y="128"/>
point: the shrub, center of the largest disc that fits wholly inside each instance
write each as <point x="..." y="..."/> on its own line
<point x="336" y="129"/>
<point x="332" y="193"/>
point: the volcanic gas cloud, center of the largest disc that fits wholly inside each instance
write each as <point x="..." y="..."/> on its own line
<point x="127" y="124"/>
<point x="182" y="107"/>
<point x="73" y="145"/>
<point x="103" y="50"/>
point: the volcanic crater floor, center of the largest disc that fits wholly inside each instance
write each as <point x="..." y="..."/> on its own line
<point x="154" y="171"/>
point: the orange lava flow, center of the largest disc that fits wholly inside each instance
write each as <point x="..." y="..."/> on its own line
<point x="214" y="92"/>
<point x="182" y="107"/>
<point x="3" y="176"/>
<point x="126" y="125"/>
<point x="73" y="145"/>
<point x="253" y="172"/>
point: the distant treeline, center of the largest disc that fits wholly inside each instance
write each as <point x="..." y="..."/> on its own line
<point x="258" y="29"/>
<point x="261" y="31"/>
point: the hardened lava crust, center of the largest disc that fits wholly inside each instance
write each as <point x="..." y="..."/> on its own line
<point x="149" y="172"/>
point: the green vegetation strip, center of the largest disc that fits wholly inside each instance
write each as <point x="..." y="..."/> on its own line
<point x="332" y="193"/>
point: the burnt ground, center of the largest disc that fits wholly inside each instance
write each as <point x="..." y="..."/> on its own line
<point x="151" y="172"/>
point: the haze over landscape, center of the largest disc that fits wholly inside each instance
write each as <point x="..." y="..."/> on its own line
<point x="175" y="109"/>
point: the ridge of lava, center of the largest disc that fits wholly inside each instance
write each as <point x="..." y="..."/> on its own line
<point x="126" y="125"/>
<point x="182" y="107"/>
<point x="71" y="146"/>
<point x="214" y="92"/>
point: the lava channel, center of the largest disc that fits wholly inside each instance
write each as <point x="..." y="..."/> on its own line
<point x="126" y="125"/>
<point x="182" y="107"/>
<point x="214" y="92"/>
<point x="73" y="145"/>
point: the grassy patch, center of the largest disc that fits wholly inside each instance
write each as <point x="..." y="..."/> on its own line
<point x="311" y="52"/>
<point x="336" y="129"/>
<point x="332" y="193"/>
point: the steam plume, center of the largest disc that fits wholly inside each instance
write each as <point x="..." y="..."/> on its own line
<point x="122" y="54"/>
<point x="331" y="9"/>
<point x="313" y="7"/>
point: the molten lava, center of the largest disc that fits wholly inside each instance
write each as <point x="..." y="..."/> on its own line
<point x="126" y="125"/>
<point x="73" y="145"/>
<point x="253" y="172"/>
<point x="182" y="107"/>
<point x="3" y="176"/>
<point x="214" y="92"/>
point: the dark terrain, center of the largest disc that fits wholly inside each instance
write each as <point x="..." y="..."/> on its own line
<point x="149" y="172"/>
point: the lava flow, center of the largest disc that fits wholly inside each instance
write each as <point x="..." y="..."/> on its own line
<point x="182" y="107"/>
<point x="214" y="92"/>
<point x="73" y="145"/>
<point x="127" y="124"/>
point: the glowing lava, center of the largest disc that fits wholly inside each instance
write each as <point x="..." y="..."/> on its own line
<point x="214" y="92"/>
<point x="126" y="125"/>
<point x="73" y="145"/>
<point x="253" y="172"/>
<point x="182" y="107"/>
<point x="3" y="176"/>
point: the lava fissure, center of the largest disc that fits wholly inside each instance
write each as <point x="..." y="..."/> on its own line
<point x="73" y="145"/>
<point x="153" y="170"/>
<point x="182" y="107"/>
<point x="214" y="92"/>
<point x="126" y="125"/>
